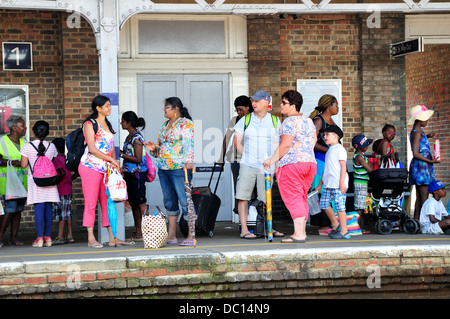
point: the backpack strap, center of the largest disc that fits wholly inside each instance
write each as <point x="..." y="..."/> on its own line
<point x="37" y="150"/>
<point x="247" y="120"/>
<point x="248" y="116"/>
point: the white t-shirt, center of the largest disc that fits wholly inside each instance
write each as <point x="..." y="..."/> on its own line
<point x="260" y="138"/>
<point x="432" y="207"/>
<point x="332" y="170"/>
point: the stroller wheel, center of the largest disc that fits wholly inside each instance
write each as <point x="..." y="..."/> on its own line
<point x="411" y="226"/>
<point x="383" y="226"/>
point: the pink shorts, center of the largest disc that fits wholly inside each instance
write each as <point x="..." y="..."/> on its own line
<point x="294" y="181"/>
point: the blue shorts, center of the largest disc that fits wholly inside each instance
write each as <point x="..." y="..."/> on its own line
<point x="13" y="205"/>
<point x="330" y="194"/>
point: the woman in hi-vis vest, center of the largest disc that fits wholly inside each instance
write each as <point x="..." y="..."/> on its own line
<point x="10" y="145"/>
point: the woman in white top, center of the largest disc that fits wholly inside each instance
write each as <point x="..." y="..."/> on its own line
<point x="41" y="197"/>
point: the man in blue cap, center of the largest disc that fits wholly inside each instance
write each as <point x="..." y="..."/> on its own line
<point x="256" y="138"/>
<point x="434" y="218"/>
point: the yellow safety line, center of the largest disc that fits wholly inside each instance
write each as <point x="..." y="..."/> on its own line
<point x="232" y="245"/>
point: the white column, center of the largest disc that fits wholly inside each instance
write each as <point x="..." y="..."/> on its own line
<point x="108" y="46"/>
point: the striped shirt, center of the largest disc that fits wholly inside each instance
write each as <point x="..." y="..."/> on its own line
<point x="360" y="174"/>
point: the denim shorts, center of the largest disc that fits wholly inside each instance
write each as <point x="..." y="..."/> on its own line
<point x="330" y="194"/>
<point x="13" y="205"/>
<point x="172" y="185"/>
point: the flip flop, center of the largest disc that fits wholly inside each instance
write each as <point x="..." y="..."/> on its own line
<point x="292" y="240"/>
<point x="245" y="236"/>
<point x="173" y="242"/>
<point x="325" y="232"/>
<point x="278" y="234"/>
<point x="187" y="243"/>
<point x="16" y="243"/>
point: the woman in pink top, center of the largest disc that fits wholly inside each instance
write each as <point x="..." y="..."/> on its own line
<point x="99" y="154"/>
<point x="41" y="197"/>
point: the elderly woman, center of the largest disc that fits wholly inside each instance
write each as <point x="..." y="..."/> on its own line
<point x="10" y="146"/>
<point x="174" y="151"/>
<point x="297" y="164"/>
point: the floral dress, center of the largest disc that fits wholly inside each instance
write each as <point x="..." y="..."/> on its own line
<point x="104" y="141"/>
<point x="420" y="172"/>
<point x="175" y="145"/>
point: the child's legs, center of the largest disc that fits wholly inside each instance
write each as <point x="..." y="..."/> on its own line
<point x="325" y="205"/>
<point x="421" y="197"/>
<point x="48" y="219"/>
<point x="339" y="201"/>
<point x="39" y="219"/>
<point x="43" y="215"/>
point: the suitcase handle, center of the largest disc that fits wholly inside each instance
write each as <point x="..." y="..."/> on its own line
<point x="212" y="173"/>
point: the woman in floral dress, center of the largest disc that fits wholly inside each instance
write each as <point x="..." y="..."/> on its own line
<point x="174" y="151"/>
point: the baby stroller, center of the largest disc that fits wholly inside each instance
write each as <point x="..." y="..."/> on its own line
<point x="386" y="186"/>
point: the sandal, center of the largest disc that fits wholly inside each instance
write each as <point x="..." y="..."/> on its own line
<point x="291" y="240"/>
<point x="187" y="243"/>
<point x="248" y="236"/>
<point x="59" y="241"/>
<point x="325" y="232"/>
<point x="70" y="240"/>
<point x="276" y="233"/>
<point x="38" y="243"/>
<point x="14" y="243"/>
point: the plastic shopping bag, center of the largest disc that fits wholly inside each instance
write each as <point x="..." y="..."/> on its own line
<point x="14" y="187"/>
<point x="116" y="185"/>
<point x="313" y="203"/>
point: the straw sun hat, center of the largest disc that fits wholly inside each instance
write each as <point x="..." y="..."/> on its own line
<point x="419" y="112"/>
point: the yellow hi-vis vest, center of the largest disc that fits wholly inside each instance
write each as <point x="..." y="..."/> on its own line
<point x="9" y="151"/>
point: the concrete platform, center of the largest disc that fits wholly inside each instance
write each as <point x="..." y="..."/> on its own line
<point x="226" y="266"/>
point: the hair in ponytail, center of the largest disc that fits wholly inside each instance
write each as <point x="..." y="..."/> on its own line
<point x="176" y="102"/>
<point x="324" y="102"/>
<point x="41" y="129"/>
<point x="133" y="119"/>
<point x="99" y="100"/>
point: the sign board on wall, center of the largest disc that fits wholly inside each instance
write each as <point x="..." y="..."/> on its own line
<point x="313" y="90"/>
<point x="17" y="56"/>
<point x="406" y="47"/>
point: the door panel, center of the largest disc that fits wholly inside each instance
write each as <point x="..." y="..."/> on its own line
<point x="207" y="99"/>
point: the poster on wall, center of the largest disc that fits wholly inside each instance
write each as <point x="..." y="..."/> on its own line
<point x="13" y="101"/>
<point x="312" y="90"/>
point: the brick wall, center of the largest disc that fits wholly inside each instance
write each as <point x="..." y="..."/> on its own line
<point x="324" y="47"/>
<point x="427" y="81"/>
<point x="365" y="272"/>
<point x="81" y="85"/>
<point x="42" y="29"/>
<point x="63" y="81"/>
<point x="383" y="81"/>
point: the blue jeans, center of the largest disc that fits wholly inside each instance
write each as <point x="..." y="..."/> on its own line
<point x="43" y="215"/>
<point x="172" y="185"/>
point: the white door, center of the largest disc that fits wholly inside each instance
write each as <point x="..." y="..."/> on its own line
<point x="207" y="99"/>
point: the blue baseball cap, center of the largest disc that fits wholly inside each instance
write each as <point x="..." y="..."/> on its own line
<point x="361" y="141"/>
<point x="436" y="185"/>
<point x="261" y="95"/>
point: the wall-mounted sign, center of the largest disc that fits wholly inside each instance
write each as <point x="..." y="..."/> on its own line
<point x="17" y="56"/>
<point x="406" y="47"/>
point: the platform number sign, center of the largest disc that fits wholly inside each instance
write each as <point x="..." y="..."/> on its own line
<point x="17" y="56"/>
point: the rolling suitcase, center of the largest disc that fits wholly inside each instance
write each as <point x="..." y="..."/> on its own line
<point x="207" y="206"/>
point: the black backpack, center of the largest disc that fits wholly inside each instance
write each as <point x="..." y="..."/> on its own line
<point x="76" y="145"/>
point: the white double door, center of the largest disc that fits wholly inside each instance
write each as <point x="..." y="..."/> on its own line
<point x="207" y="99"/>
